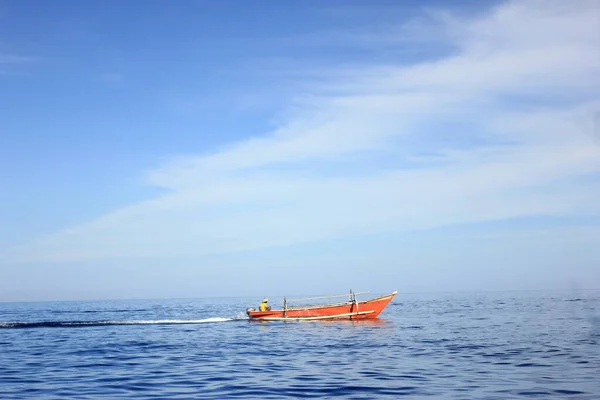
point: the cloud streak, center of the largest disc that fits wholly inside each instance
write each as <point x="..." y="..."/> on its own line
<point x="501" y="128"/>
<point x="9" y="61"/>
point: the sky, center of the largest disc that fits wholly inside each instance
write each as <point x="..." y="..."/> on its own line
<point x="197" y="149"/>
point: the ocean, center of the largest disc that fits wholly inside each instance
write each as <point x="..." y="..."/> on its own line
<point x="506" y="345"/>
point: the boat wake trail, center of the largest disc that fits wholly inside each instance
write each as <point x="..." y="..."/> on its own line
<point x="77" y="324"/>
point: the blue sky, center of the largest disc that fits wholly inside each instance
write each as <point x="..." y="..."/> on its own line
<point x="225" y="148"/>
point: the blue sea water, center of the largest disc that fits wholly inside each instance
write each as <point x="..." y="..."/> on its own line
<point x="444" y="346"/>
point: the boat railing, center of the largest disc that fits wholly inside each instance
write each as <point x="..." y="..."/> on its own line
<point x="351" y="299"/>
<point x="302" y="306"/>
<point x="326" y="297"/>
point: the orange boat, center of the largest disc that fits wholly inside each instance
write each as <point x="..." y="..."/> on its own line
<point x="349" y="309"/>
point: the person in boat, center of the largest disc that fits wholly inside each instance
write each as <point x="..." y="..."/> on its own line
<point x="264" y="306"/>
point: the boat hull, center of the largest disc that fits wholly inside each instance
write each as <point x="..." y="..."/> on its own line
<point x="366" y="309"/>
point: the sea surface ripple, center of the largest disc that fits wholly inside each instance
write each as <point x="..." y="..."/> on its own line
<point x="445" y="346"/>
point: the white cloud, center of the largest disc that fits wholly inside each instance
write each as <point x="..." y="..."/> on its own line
<point x="378" y="155"/>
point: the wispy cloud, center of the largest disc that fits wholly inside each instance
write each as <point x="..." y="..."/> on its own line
<point x="14" y="59"/>
<point x="503" y="127"/>
<point x="8" y="62"/>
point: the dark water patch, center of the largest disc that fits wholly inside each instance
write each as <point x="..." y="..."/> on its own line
<point x="20" y="380"/>
<point x="434" y="341"/>
<point x="84" y="324"/>
<point x="411" y="377"/>
<point x="568" y="392"/>
<point x="466" y="347"/>
<point x="526" y="365"/>
<point x="530" y="393"/>
<point x="112" y="379"/>
<point x="540" y="392"/>
<point x="95" y="365"/>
